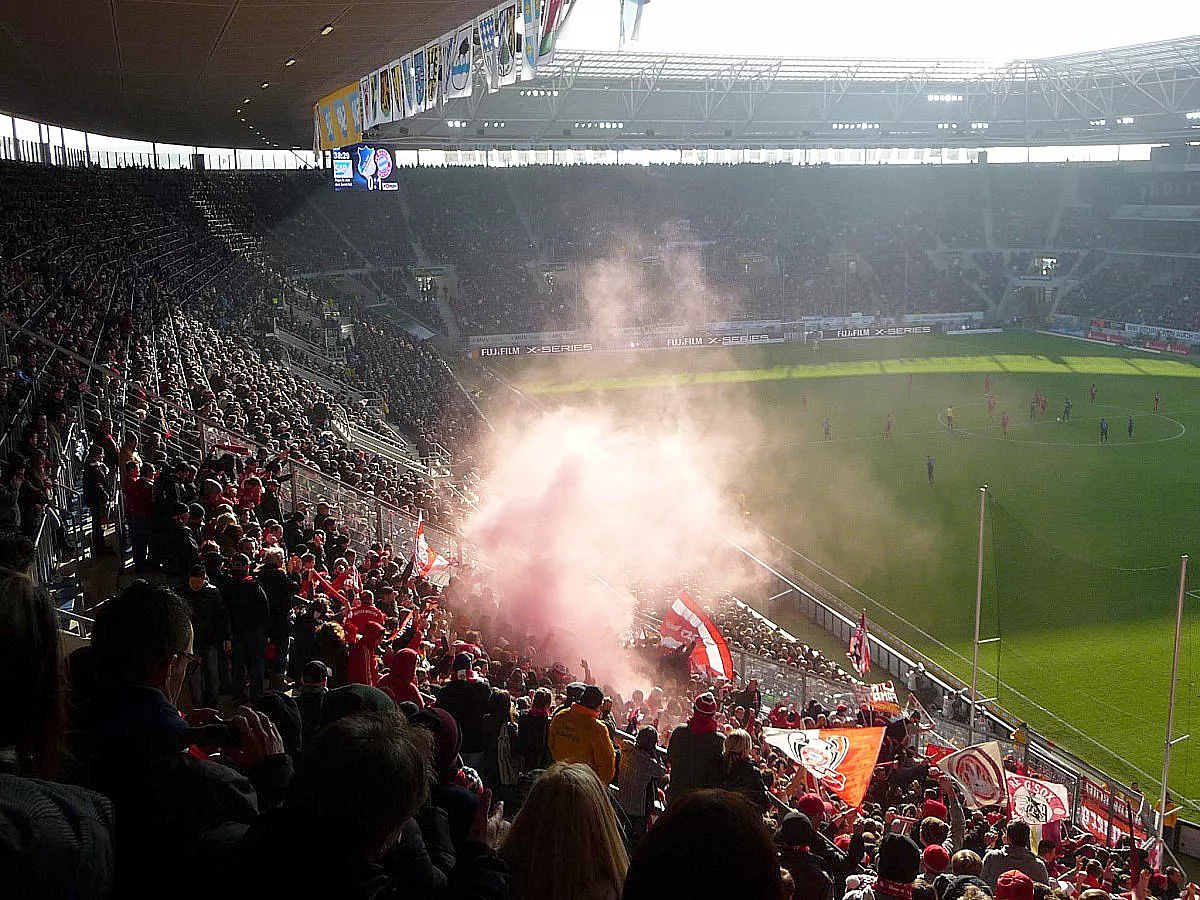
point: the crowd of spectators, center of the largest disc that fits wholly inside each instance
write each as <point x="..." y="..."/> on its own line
<point x="271" y="688"/>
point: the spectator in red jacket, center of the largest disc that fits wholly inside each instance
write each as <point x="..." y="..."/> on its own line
<point x="363" y="667"/>
<point x="364" y="611"/>
<point x="401" y="680"/>
<point x="138" y="487"/>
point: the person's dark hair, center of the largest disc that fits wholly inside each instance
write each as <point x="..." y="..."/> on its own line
<point x="710" y="843"/>
<point x="32" y="719"/>
<point x="135" y="631"/>
<point x="16" y="552"/>
<point x="360" y="778"/>
<point x="647" y="738"/>
<point x="1017" y="834"/>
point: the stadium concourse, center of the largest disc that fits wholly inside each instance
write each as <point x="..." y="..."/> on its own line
<point x="293" y="698"/>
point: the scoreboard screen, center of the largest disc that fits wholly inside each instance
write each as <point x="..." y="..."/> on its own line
<point x="364" y="167"/>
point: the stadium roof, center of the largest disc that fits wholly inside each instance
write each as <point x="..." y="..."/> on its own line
<point x="176" y="72"/>
<point x="1137" y="94"/>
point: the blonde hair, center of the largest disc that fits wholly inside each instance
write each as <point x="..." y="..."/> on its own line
<point x="738" y="741"/>
<point x="565" y="841"/>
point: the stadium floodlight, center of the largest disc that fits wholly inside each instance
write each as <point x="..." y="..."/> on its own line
<point x="1125" y="120"/>
<point x="1098" y="123"/>
<point x="1194" y="116"/>
<point x="265" y="85"/>
<point x="248" y="100"/>
<point x="980" y="126"/>
<point x="291" y="61"/>
<point x="327" y="30"/>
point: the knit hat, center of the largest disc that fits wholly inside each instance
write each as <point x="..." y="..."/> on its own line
<point x="899" y="859"/>
<point x="463" y="661"/>
<point x="934" y="808"/>
<point x="813" y="807"/>
<point x="705" y="705"/>
<point x="935" y="859"/>
<point x="591" y="697"/>
<point x="796" y="830"/>
<point x="1014" y="885"/>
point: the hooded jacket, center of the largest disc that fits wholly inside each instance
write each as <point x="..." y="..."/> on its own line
<point x="577" y="735"/>
<point x="401" y="679"/>
<point x="363" y="665"/>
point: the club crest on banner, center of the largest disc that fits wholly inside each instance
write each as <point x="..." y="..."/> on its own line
<point x="980" y="771"/>
<point x="821" y="756"/>
<point x="506" y="46"/>
<point x="1037" y="802"/>
<point x="842" y="760"/>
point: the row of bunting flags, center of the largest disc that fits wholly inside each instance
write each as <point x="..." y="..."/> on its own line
<point x="510" y="42"/>
<point x="506" y="44"/>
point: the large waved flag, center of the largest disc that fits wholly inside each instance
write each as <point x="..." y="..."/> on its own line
<point x="979" y="771"/>
<point x="686" y="622"/>
<point x="841" y="759"/>
<point x="427" y="562"/>
<point x="860" y="648"/>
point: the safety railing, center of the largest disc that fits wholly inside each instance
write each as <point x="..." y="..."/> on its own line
<point x="1098" y="799"/>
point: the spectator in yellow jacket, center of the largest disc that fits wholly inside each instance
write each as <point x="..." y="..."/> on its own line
<point x="577" y="736"/>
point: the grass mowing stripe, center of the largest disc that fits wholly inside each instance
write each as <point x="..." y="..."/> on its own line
<point x="1025" y="364"/>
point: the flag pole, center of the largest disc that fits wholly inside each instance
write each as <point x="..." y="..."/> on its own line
<point x="1168" y="743"/>
<point x="978" y="608"/>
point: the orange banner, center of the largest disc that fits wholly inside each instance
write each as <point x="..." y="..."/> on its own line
<point x="841" y="759"/>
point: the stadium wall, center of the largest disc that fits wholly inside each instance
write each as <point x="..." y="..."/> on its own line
<point x="718" y="334"/>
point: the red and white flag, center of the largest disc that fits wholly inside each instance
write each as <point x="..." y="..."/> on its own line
<point x="860" y="650"/>
<point x="1037" y="802"/>
<point x="684" y="622"/>
<point x="979" y="771"/>
<point x="427" y="562"/>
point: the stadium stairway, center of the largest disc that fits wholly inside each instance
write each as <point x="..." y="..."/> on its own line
<point x="989" y="227"/>
<point x="1068" y="194"/>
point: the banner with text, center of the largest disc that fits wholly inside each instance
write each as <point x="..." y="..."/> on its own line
<point x="339" y="118"/>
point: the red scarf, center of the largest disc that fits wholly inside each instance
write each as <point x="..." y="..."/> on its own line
<point x="894" y="889"/>
<point x="701" y="724"/>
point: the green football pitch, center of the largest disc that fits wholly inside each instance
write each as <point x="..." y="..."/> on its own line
<point x="1083" y="538"/>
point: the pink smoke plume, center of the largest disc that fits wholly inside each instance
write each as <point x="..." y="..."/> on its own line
<point x="577" y="506"/>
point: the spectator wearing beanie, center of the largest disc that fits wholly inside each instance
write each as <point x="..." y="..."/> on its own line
<point x="695" y="752"/>
<point x="1014" y="885"/>
<point x="577" y="736"/>
<point x="795" y="839"/>
<point x="934" y="861"/>
<point x="899" y="864"/>
<point x="466" y="697"/>
<point x="1014" y="855"/>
